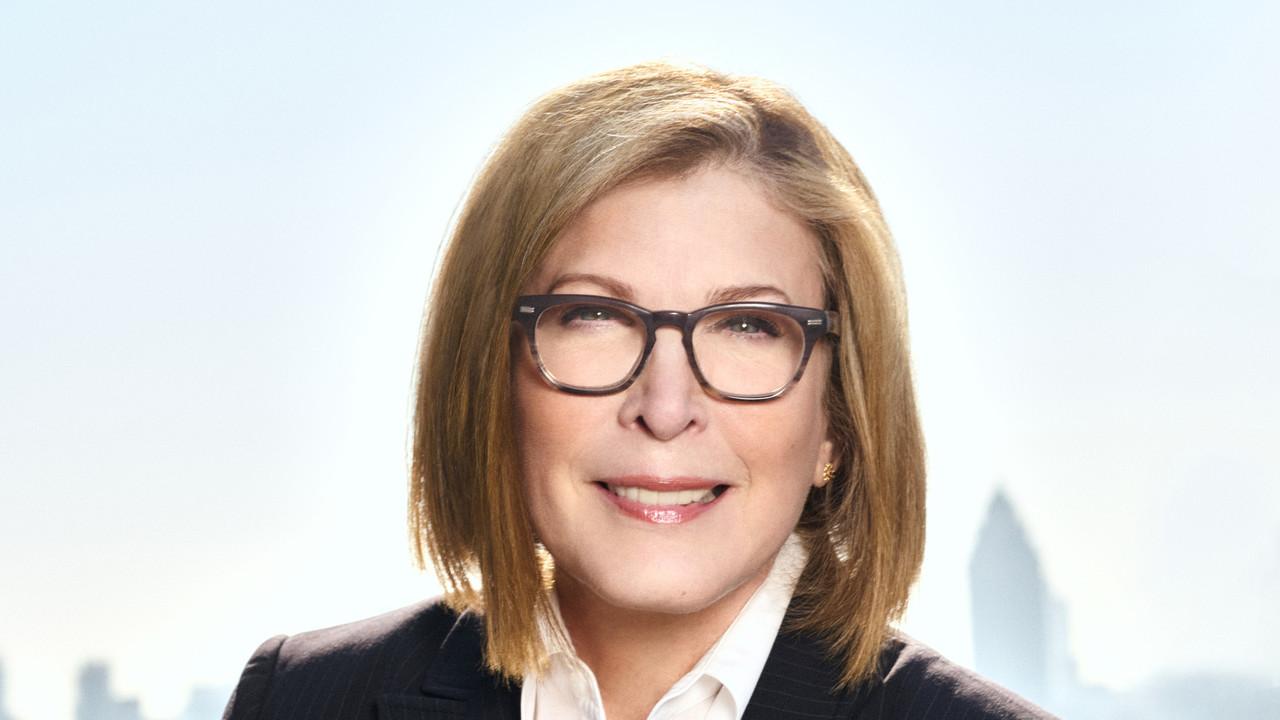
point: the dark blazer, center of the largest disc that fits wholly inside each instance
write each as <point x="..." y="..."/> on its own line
<point x="425" y="661"/>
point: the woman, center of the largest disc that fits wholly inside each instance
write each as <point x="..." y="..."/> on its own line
<point x="666" y="456"/>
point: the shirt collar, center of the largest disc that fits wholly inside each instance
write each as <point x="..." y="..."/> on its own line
<point x="738" y="657"/>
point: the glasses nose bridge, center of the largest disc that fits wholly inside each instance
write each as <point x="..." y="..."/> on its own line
<point x="670" y="318"/>
<point x="673" y="319"/>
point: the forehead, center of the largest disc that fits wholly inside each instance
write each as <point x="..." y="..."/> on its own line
<point x="678" y="241"/>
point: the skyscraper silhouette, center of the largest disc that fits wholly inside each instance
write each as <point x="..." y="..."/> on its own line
<point x="95" y="701"/>
<point x="4" y="711"/>
<point x="206" y="703"/>
<point x="1010" y="623"/>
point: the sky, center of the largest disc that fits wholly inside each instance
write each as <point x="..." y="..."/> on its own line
<point x="219" y="222"/>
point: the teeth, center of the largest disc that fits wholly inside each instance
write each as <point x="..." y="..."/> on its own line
<point x="653" y="497"/>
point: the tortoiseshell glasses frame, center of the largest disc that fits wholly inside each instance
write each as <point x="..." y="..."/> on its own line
<point x="812" y="324"/>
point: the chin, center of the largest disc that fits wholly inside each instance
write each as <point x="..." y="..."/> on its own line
<point x="662" y="587"/>
<point x="665" y="603"/>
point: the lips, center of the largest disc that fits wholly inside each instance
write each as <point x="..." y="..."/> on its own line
<point x="662" y="501"/>
<point x="644" y="496"/>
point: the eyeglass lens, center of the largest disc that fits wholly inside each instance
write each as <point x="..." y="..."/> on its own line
<point x="739" y="351"/>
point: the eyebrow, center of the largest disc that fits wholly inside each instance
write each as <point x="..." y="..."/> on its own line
<point x="623" y="291"/>
<point x="616" y="288"/>
<point x="740" y="293"/>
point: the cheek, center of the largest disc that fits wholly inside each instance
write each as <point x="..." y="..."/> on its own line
<point x="781" y="444"/>
<point x="555" y="436"/>
<point x="534" y="428"/>
<point x="536" y="464"/>
<point x="779" y="452"/>
<point x="538" y="429"/>
<point x="540" y="420"/>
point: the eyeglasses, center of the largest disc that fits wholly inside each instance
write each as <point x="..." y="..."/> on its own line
<point x="591" y="345"/>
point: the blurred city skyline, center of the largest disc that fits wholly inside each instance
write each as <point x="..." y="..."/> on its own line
<point x="218" y="225"/>
<point x="1021" y="633"/>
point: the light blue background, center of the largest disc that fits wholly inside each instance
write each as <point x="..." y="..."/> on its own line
<point x="218" y="222"/>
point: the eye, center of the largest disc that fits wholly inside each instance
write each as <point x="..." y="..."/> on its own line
<point x="751" y="325"/>
<point x="592" y="316"/>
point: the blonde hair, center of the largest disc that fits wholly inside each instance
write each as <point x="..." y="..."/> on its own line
<point x="864" y="530"/>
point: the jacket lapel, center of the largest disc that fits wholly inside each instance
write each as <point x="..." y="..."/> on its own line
<point x="799" y="682"/>
<point x="458" y="685"/>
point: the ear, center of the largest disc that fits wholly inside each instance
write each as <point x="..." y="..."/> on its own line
<point x="826" y="458"/>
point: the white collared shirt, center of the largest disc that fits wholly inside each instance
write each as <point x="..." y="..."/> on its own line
<point x="717" y="688"/>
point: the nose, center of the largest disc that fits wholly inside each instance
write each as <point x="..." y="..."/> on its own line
<point x="666" y="400"/>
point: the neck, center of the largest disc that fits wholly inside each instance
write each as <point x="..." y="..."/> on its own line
<point x="637" y="655"/>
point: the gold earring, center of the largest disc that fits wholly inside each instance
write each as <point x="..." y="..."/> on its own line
<point x="828" y="473"/>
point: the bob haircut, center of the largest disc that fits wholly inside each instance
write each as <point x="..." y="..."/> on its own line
<point x="864" y="530"/>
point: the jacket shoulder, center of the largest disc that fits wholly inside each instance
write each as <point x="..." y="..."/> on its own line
<point x="340" y="671"/>
<point x="921" y="683"/>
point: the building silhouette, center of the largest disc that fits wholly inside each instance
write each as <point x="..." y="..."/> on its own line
<point x="1020" y="640"/>
<point x="1011" y="619"/>
<point x="206" y="703"/>
<point x="95" y="700"/>
<point x="4" y="705"/>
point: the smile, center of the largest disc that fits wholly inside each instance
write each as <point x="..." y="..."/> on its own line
<point x="662" y="502"/>
<point x="653" y="497"/>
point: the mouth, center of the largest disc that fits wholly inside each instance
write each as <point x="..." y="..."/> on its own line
<point x="662" y="502"/>
<point x="666" y="498"/>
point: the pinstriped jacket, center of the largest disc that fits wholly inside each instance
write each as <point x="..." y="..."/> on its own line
<point x="425" y="661"/>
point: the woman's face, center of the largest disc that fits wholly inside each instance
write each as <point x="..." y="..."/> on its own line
<point x="673" y="244"/>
